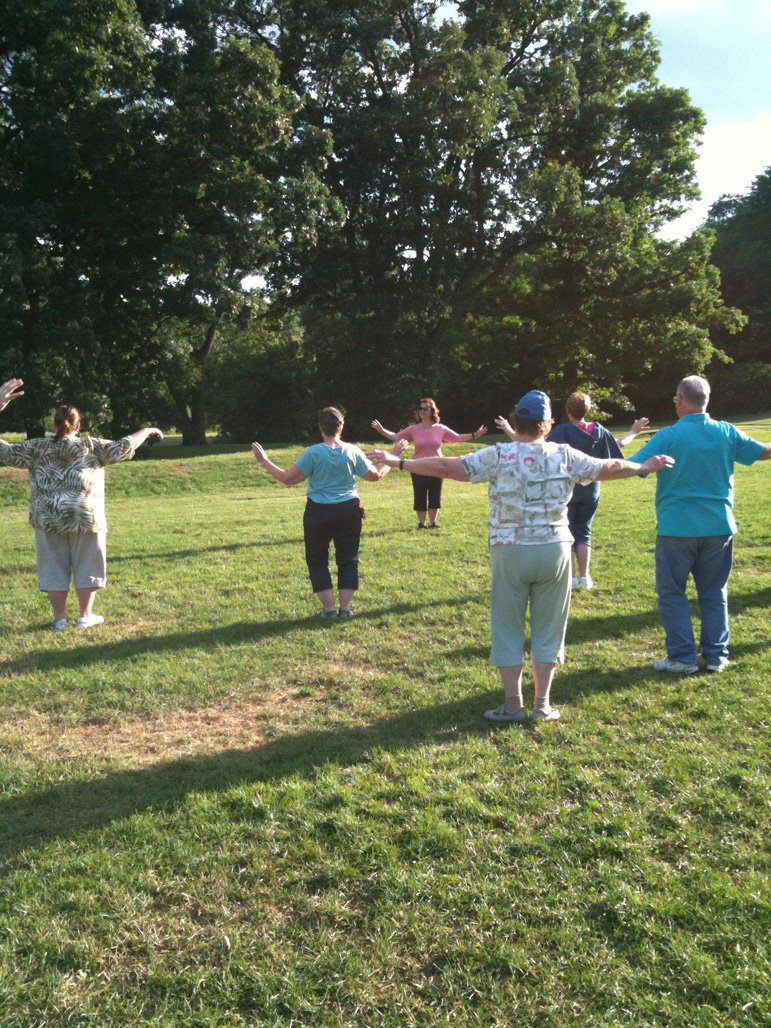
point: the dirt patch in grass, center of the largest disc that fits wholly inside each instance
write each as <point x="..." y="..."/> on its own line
<point x="140" y="741"/>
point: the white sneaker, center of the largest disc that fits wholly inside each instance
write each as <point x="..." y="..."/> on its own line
<point x="716" y="666"/>
<point x="575" y="584"/>
<point x="676" y="666"/>
<point x="552" y="714"/>
<point x="586" y="583"/>
<point x="90" y="621"/>
<point x="59" y="625"/>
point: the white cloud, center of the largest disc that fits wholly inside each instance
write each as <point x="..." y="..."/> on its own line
<point x="732" y="155"/>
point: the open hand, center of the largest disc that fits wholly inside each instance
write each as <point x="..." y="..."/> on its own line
<point x="259" y="453"/>
<point x="502" y="424"/>
<point x="381" y="457"/>
<point x="482" y="430"/>
<point x="657" y="463"/>
<point x="639" y="425"/>
<point x="10" y="390"/>
<point x="398" y="449"/>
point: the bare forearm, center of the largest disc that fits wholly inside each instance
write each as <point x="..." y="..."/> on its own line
<point x="437" y="467"/>
<point x="275" y="471"/>
<point x="766" y="454"/>
<point x="142" y="435"/>
<point x="614" y="469"/>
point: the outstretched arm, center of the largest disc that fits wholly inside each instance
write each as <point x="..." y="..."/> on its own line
<point x="10" y="390"/>
<point x="383" y="431"/>
<point x="293" y="476"/>
<point x="766" y="454"/>
<point x="614" y="468"/>
<point x="144" y="434"/>
<point x="377" y="473"/>
<point x="634" y="431"/>
<point x="504" y="426"/>
<point x="470" y="437"/>
<point x="434" y="467"/>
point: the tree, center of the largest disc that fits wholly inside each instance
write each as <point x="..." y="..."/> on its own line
<point x="470" y="155"/>
<point x="260" y="381"/>
<point x="150" y="162"/>
<point x="742" y="254"/>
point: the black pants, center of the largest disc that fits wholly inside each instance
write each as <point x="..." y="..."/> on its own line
<point x="427" y="492"/>
<point x="333" y="522"/>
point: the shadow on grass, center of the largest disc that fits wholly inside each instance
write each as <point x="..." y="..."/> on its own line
<point x="209" y="638"/>
<point x="68" y="808"/>
<point x="72" y="807"/>
<point x="199" y="550"/>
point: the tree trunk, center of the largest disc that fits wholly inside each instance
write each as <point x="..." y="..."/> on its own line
<point x="194" y="433"/>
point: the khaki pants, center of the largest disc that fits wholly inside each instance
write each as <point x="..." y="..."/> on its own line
<point x="538" y="575"/>
<point x="81" y="556"/>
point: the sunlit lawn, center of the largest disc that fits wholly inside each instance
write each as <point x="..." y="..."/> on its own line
<point x="216" y="812"/>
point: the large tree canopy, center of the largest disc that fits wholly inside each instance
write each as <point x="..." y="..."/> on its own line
<point x="502" y="177"/>
<point x="456" y="200"/>
<point x="150" y="161"/>
<point x="742" y="253"/>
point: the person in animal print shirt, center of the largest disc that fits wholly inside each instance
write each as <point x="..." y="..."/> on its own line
<point x="66" y="474"/>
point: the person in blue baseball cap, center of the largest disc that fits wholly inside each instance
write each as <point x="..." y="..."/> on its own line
<point x="592" y="438"/>
<point x="530" y="482"/>
<point x="534" y="406"/>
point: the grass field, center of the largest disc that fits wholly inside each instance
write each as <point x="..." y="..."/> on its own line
<point x="216" y="812"/>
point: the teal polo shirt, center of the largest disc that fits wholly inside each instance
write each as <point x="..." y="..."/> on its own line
<point x="331" y="471"/>
<point x="696" y="496"/>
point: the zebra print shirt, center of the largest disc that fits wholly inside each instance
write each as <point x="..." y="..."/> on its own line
<point x="66" y="479"/>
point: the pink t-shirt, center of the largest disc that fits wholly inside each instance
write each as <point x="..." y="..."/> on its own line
<point x="428" y="441"/>
<point x="587" y="426"/>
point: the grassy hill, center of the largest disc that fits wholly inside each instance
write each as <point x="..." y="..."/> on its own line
<point x="216" y="812"/>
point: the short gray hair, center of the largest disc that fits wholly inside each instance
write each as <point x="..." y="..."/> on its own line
<point x="694" y="391"/>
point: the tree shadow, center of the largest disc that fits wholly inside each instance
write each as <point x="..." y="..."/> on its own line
<point x="209" y="638"/>
<point x="198" y="550"/>
<point x="68" y="808"/>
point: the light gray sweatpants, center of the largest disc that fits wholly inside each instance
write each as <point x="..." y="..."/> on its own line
<point x="541" y="576"/>
<point x="81" y="556"/>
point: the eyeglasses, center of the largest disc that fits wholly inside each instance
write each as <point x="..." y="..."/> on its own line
<point x="676" y="397"/>
<point x="424" y="408"/>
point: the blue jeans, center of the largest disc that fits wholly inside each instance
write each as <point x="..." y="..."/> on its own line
<point x="708" y="559"/>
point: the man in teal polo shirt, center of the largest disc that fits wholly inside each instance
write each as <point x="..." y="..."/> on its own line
<point x="695" y="525"/>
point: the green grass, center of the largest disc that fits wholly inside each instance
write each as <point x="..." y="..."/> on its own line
<point x="217" y="813"/>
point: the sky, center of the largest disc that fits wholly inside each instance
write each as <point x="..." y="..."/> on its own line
<point x="720" y="51"/>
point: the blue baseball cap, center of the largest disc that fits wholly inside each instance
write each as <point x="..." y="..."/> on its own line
<point x="535" y="406"/>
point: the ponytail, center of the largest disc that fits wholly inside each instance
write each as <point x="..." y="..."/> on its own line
<point x="66" y="421"/>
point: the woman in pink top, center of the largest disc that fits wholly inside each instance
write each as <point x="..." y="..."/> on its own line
<point x="427" y="436"/>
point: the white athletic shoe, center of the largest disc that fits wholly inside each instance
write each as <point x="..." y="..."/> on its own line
<point x="716" y="666"/>
<point x="59" y="625"/>
<point x="575" y="583"/>
<point x="676" y="666"/>
<point x="90" y="621"/>
<point x="586" y="583"/>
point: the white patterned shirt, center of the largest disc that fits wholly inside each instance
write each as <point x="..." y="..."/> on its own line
<point x="530" y="486"/>
<point x="66" y="479"/>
